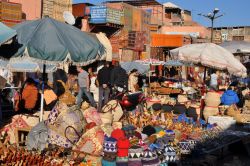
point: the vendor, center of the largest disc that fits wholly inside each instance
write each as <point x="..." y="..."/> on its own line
<point x="212" y="102"/>
<point x="180" y="107"/>
<point x="214" y="80"/>
<point x="229" y="97"/>
<point x="191" y="111"/>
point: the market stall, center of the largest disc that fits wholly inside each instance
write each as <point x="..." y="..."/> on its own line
<point x="45" y="41"/>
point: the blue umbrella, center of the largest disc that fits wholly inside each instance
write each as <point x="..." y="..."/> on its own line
<point x="6" y="33"/>
<point x="173" y="63"/>
<point x="128" y="66"/>
<point x="29" y="66"/>
<point x="177" y="63"/>
<point x="53" y="42"/>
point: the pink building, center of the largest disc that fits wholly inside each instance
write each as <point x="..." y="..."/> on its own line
<point x="31" y="8"/>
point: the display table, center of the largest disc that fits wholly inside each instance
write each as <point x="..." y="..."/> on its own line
<point x="225" y="122"/>
<point x="224" y="139"/>
<point x="166" y="91"/>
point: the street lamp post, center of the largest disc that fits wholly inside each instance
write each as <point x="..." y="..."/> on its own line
<point x="212" y="17"/>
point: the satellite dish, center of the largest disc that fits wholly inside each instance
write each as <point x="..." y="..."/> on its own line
<point x="69" y="18"/>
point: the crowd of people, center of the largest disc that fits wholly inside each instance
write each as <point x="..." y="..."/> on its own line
<point x="98" y="87"/>
<point x="94" y="87"/>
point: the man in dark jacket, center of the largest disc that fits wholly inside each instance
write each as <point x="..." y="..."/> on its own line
<point x="229" y="97"/>
<point x="103" y="78"/>
<point x="119" y="77"/>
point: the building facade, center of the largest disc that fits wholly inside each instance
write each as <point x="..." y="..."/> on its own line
<point x="31" y="9"/>
<point x="35" y="9"/>
<point x="240" y="33"/>
<point x="55" y="8"/>
<point x="141" y="22"/>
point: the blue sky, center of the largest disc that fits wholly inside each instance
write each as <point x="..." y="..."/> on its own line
<point x="236" y="12"/>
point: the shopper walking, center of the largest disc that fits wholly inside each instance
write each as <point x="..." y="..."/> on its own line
<point x="119" y="77"/>
<point x="103" y="79"/>
<point x="83" y="83"/>
<point x="214" y="80"/>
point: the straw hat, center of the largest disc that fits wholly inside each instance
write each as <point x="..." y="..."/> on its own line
<point x="107" y="128"/>
<point x="117" y="125"/>
<point x="106" y="118"/>
<point x="114" y="107"/>
<point x="85" y="105"/>
<point x="182" y="99"/>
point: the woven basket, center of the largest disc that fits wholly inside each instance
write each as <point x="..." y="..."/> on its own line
<point x="210" y="111"/>
<point x="212" y="99"/>
<point x="242" y="118"/>
<point x="232" y="111"/>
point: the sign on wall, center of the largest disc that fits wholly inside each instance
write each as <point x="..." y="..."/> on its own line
<point x="98" y="14"/>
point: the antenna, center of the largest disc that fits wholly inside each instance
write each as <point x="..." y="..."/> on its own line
<point x="69" y="18"/>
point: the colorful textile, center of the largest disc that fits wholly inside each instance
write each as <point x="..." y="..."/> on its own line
<point x="109" y="156"/>
<point x="91" y="115"/>
<point x="150" y="158"/>
<point x="91" y="142"/>
<point x="108" y="163"/>
<point x="109" y="145"/>
<point x="122" y="161"/>
<point x="135" y="155"/>
<point x="65" y="125"/>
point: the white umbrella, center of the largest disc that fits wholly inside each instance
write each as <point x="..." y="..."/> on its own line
<point x="211" y="55"/>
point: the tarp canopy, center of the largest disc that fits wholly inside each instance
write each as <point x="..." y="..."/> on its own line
<point x="211" y="55"/>
<point x="129" y="66"/>
<point x="236" y="46"/>
<point x="6" y="33"/>
<point x="25" y="65"/>
<point x="49" y="41"/>
<point x="150" y="61"/>
<point x="177" y="63"/>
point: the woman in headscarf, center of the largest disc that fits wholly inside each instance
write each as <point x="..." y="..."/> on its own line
<point x="133" y="81"/>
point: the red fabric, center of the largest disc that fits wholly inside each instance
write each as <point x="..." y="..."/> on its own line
<point x="122" y="147"/>
<point x="138" y="135"/>
<point x="118" y="134"/>
<point x="90" y="125"/>
<point x="160" y="67"/>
